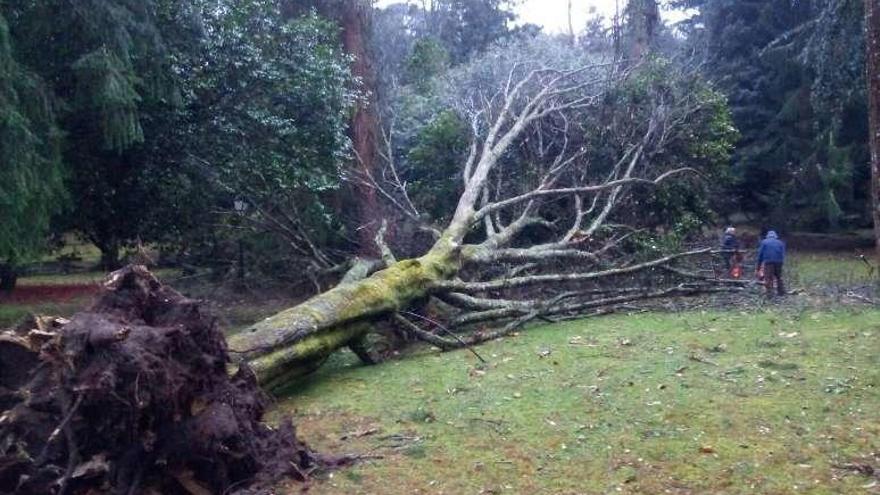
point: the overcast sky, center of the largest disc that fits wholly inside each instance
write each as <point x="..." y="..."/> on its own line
<point x="553" y="14"/>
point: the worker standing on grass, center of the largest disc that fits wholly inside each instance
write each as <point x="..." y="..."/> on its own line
<point x="730" y="252"/>
<point x="771" y="257"/>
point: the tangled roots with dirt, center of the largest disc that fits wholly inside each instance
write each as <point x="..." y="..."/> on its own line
<point x="133" y="396"/>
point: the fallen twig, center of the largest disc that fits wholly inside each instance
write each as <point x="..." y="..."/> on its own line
<point x="864" y="299"/>
<point x="360" y="433"/>
<point x="418" y="332"/>
<point x="701" y="359"/>
<point x="860" y="468"/>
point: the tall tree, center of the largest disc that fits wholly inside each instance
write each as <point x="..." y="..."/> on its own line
<point x="356" y="21"/>
<point x="462" y="27"/>
<point x="357" y="203"/>
<point x="268" y="105"/>
<point x="466" y="27"/>
<point x="109" y="67"/>
<point x="170" y="110"/>
<point x="794" y="79"/>
<point x="872" y="22"/>
<point x="642" y="18"/>
<point x="31" y="172"/>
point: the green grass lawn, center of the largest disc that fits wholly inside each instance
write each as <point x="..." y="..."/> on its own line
<point x="12" y="314"/>
<point x="90" y="277"/>
<point x="73" y="246"/>
<point x="808" y="269"/>
<point x="758" y="402"/>
<point x="764" y="402"/>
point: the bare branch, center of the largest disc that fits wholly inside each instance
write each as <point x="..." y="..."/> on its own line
<point x="626" y="296"/>
<point x="472" y="287"/>
<point x="389" y="158"/>
<point x="401" y="200"/>
<point x="384" y="250"/>
<point x="579" y="190"/>
<point x="534" y="254"/>
<point x="431" y="338"/>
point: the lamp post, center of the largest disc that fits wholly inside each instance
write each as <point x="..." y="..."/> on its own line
<point x="240" y="207"/>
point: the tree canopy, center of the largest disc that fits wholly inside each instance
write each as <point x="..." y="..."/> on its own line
<point x="158" y="113"/>
<point x="794" y="76"/>
<point x="31" y="175"/>
<point x="148" y="121"/>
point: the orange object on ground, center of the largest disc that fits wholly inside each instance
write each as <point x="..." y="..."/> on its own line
<point x="736" y="271"/>
<point x="736" y="268"/>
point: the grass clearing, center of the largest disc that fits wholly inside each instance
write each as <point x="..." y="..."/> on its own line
<point x="719" y="402"/>
<point x="808" y="269"/>
<point x="728" y="402"/>
<point x="56" y="294"/>
<point x="12" y="314"/>
<point x="76" y="249"/>
<point x="87" y="278"/>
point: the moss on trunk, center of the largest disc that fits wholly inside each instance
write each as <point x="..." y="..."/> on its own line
<point x="299" y="339"/>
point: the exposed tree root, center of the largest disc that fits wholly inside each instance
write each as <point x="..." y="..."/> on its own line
<point x="133" y="396"/>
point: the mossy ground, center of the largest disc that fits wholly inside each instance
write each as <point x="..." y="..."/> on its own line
<point x="726" y="402"/>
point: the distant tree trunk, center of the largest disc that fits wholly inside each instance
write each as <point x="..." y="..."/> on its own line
<point x="616" y="33"/>
<point x="8" y="277"/>
<point x="109" y="256"/>
<point x="358" y="202"/>
<point x="643" y="19"/>
<point x="355" y="19"/>
<point x="872" y="22"/>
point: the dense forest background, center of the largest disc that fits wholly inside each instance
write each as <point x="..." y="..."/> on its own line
<point x="276" y="134"/>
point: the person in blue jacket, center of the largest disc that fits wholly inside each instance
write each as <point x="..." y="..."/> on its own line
<point x="771" y="257"/>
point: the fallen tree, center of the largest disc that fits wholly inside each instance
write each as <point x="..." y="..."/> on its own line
<point x="488" y="266"/>
<point x="132" y="396"/>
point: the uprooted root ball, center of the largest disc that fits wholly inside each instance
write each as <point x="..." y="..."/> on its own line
<point x="133" y="396"/>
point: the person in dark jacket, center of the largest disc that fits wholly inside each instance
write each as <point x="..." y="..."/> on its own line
<point x="729" y="247"/>
<point x="771" y="257"/>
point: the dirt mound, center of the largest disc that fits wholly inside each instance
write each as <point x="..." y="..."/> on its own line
<point x="133" y="396"/>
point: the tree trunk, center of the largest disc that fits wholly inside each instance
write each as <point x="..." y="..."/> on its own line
<point x="297" y="340"/>
<point x="8" y="277"/>
<point x="643" y="18"/>
<point x="872" y="22"/>
<point x="355" y="21"/>
<point x="109" y="256"/>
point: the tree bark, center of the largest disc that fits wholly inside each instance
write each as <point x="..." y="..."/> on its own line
<point x="109" y="256"/>
<point x="872" y="23"/>
<point x="643" y="19"/>
<point x="355" y="21"/>
<point x="8" y="277"/>
<point x="297" y="340"/>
